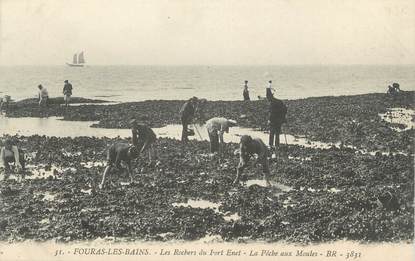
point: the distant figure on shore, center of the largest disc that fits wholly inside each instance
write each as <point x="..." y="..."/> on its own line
<point x="216" y="127"/>
<point x="4" y="103"/>
<point x="187" y="113"/>
<point x="9" y="154"/>
<point x="394" y="89"/>
<point x="277" y="117"/>
<point x="43" y="96"/>
<point x="269" y="90"/>
<point x="143" y="138"/>
<point x="247" y="148"/>
<point x="246" y="92"/>
<point x="67" y="92"/>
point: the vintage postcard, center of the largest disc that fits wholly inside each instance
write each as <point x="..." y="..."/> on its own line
<point x="210" y="130"/>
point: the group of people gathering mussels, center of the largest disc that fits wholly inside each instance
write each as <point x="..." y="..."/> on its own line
<point x="144" y="138"/>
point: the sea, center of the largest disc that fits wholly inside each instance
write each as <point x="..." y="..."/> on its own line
<point x="137" y="83"/>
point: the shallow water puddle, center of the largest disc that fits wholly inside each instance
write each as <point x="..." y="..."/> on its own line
<point x="331" y="190"/>
<point x="55" y="126"/>
<point x="235" y="134"/>
<point x="44" y="221"/>
<point x="47" y="196"/>
<point x="90" y="103"/>
<point x="38" y="172"/>
<point x="198" y="204"/>
<point x="263" y="183"/>
<point x="400" y="116"/>
<point x="90" y="164"/>
<point x="232" y="217"/>
<point x="88" y="210"/>
<point x="86" y="191"/>
<point x="42" y="171"/>
<point x="201" y="203"/>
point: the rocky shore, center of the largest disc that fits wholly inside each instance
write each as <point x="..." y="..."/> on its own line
<point x="317" y="195"/>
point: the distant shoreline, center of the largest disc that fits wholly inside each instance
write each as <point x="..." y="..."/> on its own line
<point x="350" y="120"/>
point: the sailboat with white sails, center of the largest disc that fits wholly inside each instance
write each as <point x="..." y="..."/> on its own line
<point x="78" y="60"/>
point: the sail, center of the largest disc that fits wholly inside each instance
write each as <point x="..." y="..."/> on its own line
<point x="81" y="58"/>
<point x="74" y="61"/>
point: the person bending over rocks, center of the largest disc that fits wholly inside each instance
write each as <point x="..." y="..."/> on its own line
<point x="216" y="127"/>
<point x="248" y="147"/>
<point x="117" y="152"/>
<point x="9" y="154"/>
<point x="143" y="138"/>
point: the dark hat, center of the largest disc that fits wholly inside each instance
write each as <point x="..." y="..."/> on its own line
<point x="270" y="81"/>
<point x="66" y="81"/>
<point x="40" y="86"/>
<point x="395" y="85"/>
<point x="246" y="81"/>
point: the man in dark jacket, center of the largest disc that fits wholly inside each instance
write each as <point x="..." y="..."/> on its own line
<point x="67" y="92"/>
<point x="277" y="112"/>
<point x="187" y="113"/>
<point x="246" y="92"/>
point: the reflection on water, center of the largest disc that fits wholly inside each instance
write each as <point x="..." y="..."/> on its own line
<point x="54" y="126"/>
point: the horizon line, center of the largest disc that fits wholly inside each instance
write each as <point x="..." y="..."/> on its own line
<point x="208" y="65"/>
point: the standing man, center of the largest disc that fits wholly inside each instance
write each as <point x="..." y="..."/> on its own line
<point x="277" y="112"/>
<point x="43" y="96"/>
<point x="246" y="92"/>
<point x="187" y="113"/>
<point x="248" y="147"/>
<point x="269" y="90"/>
<point x="216" y="127"/>
<point x="67" y="92"/>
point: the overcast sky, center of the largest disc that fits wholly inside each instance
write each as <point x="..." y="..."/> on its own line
<point x="211" y="32"/>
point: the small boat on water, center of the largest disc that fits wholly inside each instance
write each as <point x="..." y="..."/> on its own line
<point x="78" y="60"/>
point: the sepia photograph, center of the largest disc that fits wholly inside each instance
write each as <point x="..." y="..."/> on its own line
<point x="218" y="130"/>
